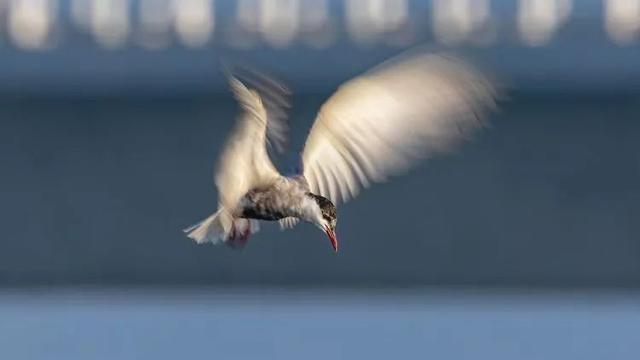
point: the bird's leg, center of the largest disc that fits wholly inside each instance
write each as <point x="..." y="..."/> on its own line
<point x="244" y="236"/>
<point x="239" y="238"/>
<point x="232" y="235"/>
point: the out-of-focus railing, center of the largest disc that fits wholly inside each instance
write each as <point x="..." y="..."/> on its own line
<point x="156" y="24"/>
<point x="87" y="42"/>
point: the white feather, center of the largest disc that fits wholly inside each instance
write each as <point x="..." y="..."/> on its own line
<point x="213" y="229"/>
<point x="381" y="123"/>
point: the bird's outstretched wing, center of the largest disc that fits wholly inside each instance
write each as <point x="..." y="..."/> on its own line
<point x="380" y="123"/>
<point x="245" y="163"/>
<point x="275" y="100"/>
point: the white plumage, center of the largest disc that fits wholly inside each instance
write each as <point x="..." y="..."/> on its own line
<point x="374" y="126"/>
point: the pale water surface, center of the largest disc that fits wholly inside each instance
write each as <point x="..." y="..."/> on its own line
<point x="319" y="324"/>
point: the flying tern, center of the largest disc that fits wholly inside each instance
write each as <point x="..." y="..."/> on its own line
<point x="374" y="126"/>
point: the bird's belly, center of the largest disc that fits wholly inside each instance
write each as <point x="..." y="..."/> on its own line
<point x="266" y="204"/>
<point x="262" y="214"/>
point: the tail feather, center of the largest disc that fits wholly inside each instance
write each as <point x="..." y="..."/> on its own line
<point x="221" y="227"/>
<point x="214" y="229"/>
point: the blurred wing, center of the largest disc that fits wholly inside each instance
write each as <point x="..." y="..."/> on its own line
<point x="382" y="122"/>
<point x="275" y="99"/>
<point x="245" y="163"/>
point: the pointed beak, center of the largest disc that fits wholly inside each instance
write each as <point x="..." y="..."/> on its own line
<point x="332" y="236"/>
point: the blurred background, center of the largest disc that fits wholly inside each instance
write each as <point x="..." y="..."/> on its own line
<point x="523" y="244"/>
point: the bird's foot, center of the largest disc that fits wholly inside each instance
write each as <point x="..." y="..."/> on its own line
<point x="239" y="235"/>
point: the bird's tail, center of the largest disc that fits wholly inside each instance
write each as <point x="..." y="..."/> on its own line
<point x="222" y="227"/>
<point x="214" y="229"/>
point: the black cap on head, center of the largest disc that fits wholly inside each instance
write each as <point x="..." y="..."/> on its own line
<point x="329" y="215"/>
<point x="326" y="206"/>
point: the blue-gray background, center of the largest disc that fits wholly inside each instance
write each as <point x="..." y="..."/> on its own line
<point x="107" y="154"/>
<point x="523" y="244"/>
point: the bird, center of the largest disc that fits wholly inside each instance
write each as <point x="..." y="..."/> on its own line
<point x="376" y="125"/>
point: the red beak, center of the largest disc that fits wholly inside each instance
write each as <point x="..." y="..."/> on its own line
<point x="332" y="236"/>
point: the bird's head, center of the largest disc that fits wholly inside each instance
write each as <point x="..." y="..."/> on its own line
<point x="325" y="217"/>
